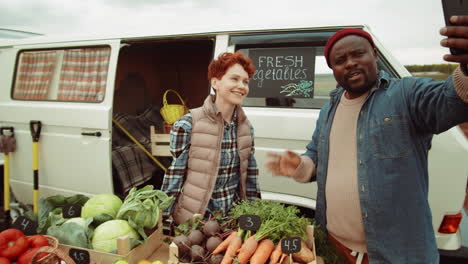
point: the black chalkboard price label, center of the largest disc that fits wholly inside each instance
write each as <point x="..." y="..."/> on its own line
<point x="250" y="222"/>
<point x="291" y="245"/>
<point x="71" y="210"/>
<point x="79" y="256"/>
<point x="26" y="225"/>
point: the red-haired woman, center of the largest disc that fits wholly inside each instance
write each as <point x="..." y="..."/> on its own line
<point x="213" y="146"/>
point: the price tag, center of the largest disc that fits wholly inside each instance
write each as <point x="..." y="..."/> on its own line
<point x="291" y="245"/>
<point x="79" y="256"/>
<point x="71" y="210"/>
<point x="26" y="225"/>
<point x="250" y="222"/>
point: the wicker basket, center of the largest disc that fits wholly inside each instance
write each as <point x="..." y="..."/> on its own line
<point x="172" y="112"/>
<point x="50" y="258"/>
<point x="55" y="256"/>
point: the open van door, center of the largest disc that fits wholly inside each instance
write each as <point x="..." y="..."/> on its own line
<point x="68" y="87"/>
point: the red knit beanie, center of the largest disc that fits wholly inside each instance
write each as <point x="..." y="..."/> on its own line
<point x="341" y="34"/>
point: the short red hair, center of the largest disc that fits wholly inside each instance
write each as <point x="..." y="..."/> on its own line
<point x="218" y="67"/>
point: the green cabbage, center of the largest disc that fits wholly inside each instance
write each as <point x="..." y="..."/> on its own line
<point x="105" y="203"/>
<point x="106" y="235"/>
<point x="141" y="208"/>
<point x="77" y="220"/>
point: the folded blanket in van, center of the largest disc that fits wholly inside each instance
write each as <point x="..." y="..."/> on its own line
<point x="132" y="166"/>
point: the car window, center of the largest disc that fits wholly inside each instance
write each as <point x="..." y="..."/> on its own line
<point x="74" y="75"/>
<point x="291" y="70"/>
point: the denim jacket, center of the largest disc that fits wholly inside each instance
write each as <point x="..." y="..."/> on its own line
<point x="394" y="133"/>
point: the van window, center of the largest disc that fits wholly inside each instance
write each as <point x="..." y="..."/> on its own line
<point x="291" y="69"/>
<point x="72" y="75"/>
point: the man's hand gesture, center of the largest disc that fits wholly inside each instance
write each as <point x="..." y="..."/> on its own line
<point x="457" y="37"/>
<point x="283" y="164"/>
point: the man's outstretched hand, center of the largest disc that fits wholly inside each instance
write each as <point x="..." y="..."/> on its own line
<point x="283" y="164"/>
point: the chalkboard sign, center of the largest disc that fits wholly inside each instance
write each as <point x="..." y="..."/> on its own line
<point x="283" y="72"/>
<point x="26" y="225"/>
<point x="291" y="245"/>
<point x="71" y="210"/>
<point x="250" y="222"/>
<point x="79" y="256"/>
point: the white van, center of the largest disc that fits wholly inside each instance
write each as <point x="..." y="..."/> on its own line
<point x="75" y="86"/>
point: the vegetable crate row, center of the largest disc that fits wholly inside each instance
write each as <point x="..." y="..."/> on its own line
<point x="124" y="251"/>
<point x="289" y="259"/>
<point x="254" y="232"/>
<point x="102" y="228"/>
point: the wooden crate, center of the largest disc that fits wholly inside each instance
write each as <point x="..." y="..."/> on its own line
<point x="174" y="251"/>
<point x="159" y="143"/>
<point x="143" y="251"/>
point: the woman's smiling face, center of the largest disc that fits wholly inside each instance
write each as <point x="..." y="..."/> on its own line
<point x="233" y="87"/>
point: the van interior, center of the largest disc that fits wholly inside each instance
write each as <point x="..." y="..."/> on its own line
<point x="145" y="70"/>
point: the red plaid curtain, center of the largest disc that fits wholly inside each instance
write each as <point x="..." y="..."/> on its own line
<point x="34" y="75"/>
<point x="84" y="74"/>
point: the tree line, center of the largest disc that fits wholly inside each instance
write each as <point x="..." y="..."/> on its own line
<point x="444" y="68"/>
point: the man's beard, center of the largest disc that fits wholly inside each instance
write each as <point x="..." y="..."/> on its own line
<point x="361" y="89"/>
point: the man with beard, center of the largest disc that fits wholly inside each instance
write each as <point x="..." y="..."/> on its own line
<point x="369" y="150"/>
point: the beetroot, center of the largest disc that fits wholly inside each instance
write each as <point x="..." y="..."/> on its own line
<point x="197" y="253"/>
<point x="196" y="237"/>
<point x="215" y="259"/>
<point x="211" y="228"/>
<point x="212" y="243"/>
<point x="183" y="244"/>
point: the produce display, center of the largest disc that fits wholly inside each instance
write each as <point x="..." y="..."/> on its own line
<point x="103" y="218"/>
<point x="253" y="232"/>
<point x="212" y="242"/>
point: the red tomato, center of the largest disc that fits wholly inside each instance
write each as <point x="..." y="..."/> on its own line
<point x="38" y="241"/>
<point x="27" y="256"/>
<point x="12" y="243"/>
<point x="4" y="260"/>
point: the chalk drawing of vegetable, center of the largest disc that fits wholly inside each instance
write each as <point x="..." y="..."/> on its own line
<point x="303" y="88"/>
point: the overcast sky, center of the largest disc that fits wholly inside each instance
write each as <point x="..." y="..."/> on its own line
<point x="408" y="28"/>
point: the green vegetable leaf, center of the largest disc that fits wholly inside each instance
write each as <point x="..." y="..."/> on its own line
<point x="99" y="219"/>
<point x="141" y="208"/>
<point x="70" y="234"/>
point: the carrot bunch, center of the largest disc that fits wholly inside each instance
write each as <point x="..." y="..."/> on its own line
<point x="250" y="249"/>
<point x="278" y="221"/>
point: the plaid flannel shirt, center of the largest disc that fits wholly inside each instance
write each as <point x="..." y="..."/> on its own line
<point x="226" y="191"/>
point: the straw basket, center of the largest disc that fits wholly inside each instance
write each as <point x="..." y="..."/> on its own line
<point x="50" y="258"/>
<point x="172" y="112"/>
<point x="55" y="254"/>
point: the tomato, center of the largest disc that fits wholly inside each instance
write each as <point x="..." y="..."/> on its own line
<point x="12" y="243"/>
<point x="4" y="260"/>
<point x="38" y="241"/>
<point x="27" y="256"/>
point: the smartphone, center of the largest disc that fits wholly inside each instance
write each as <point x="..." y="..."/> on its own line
<point x="454" y="8"/>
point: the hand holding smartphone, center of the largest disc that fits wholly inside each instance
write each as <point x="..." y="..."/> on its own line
<point x="455" y="8"/>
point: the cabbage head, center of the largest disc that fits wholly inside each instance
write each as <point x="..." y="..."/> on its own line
<point x="106" y="235"/>
<point x="105" y="203"/>
<point x="78" y="220"/>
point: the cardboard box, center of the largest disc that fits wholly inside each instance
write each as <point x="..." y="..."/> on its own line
<point x="143" y="251"/>
<point x="174" y="252"/>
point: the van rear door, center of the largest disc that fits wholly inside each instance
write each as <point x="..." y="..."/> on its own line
<point x="68" y="87"/>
